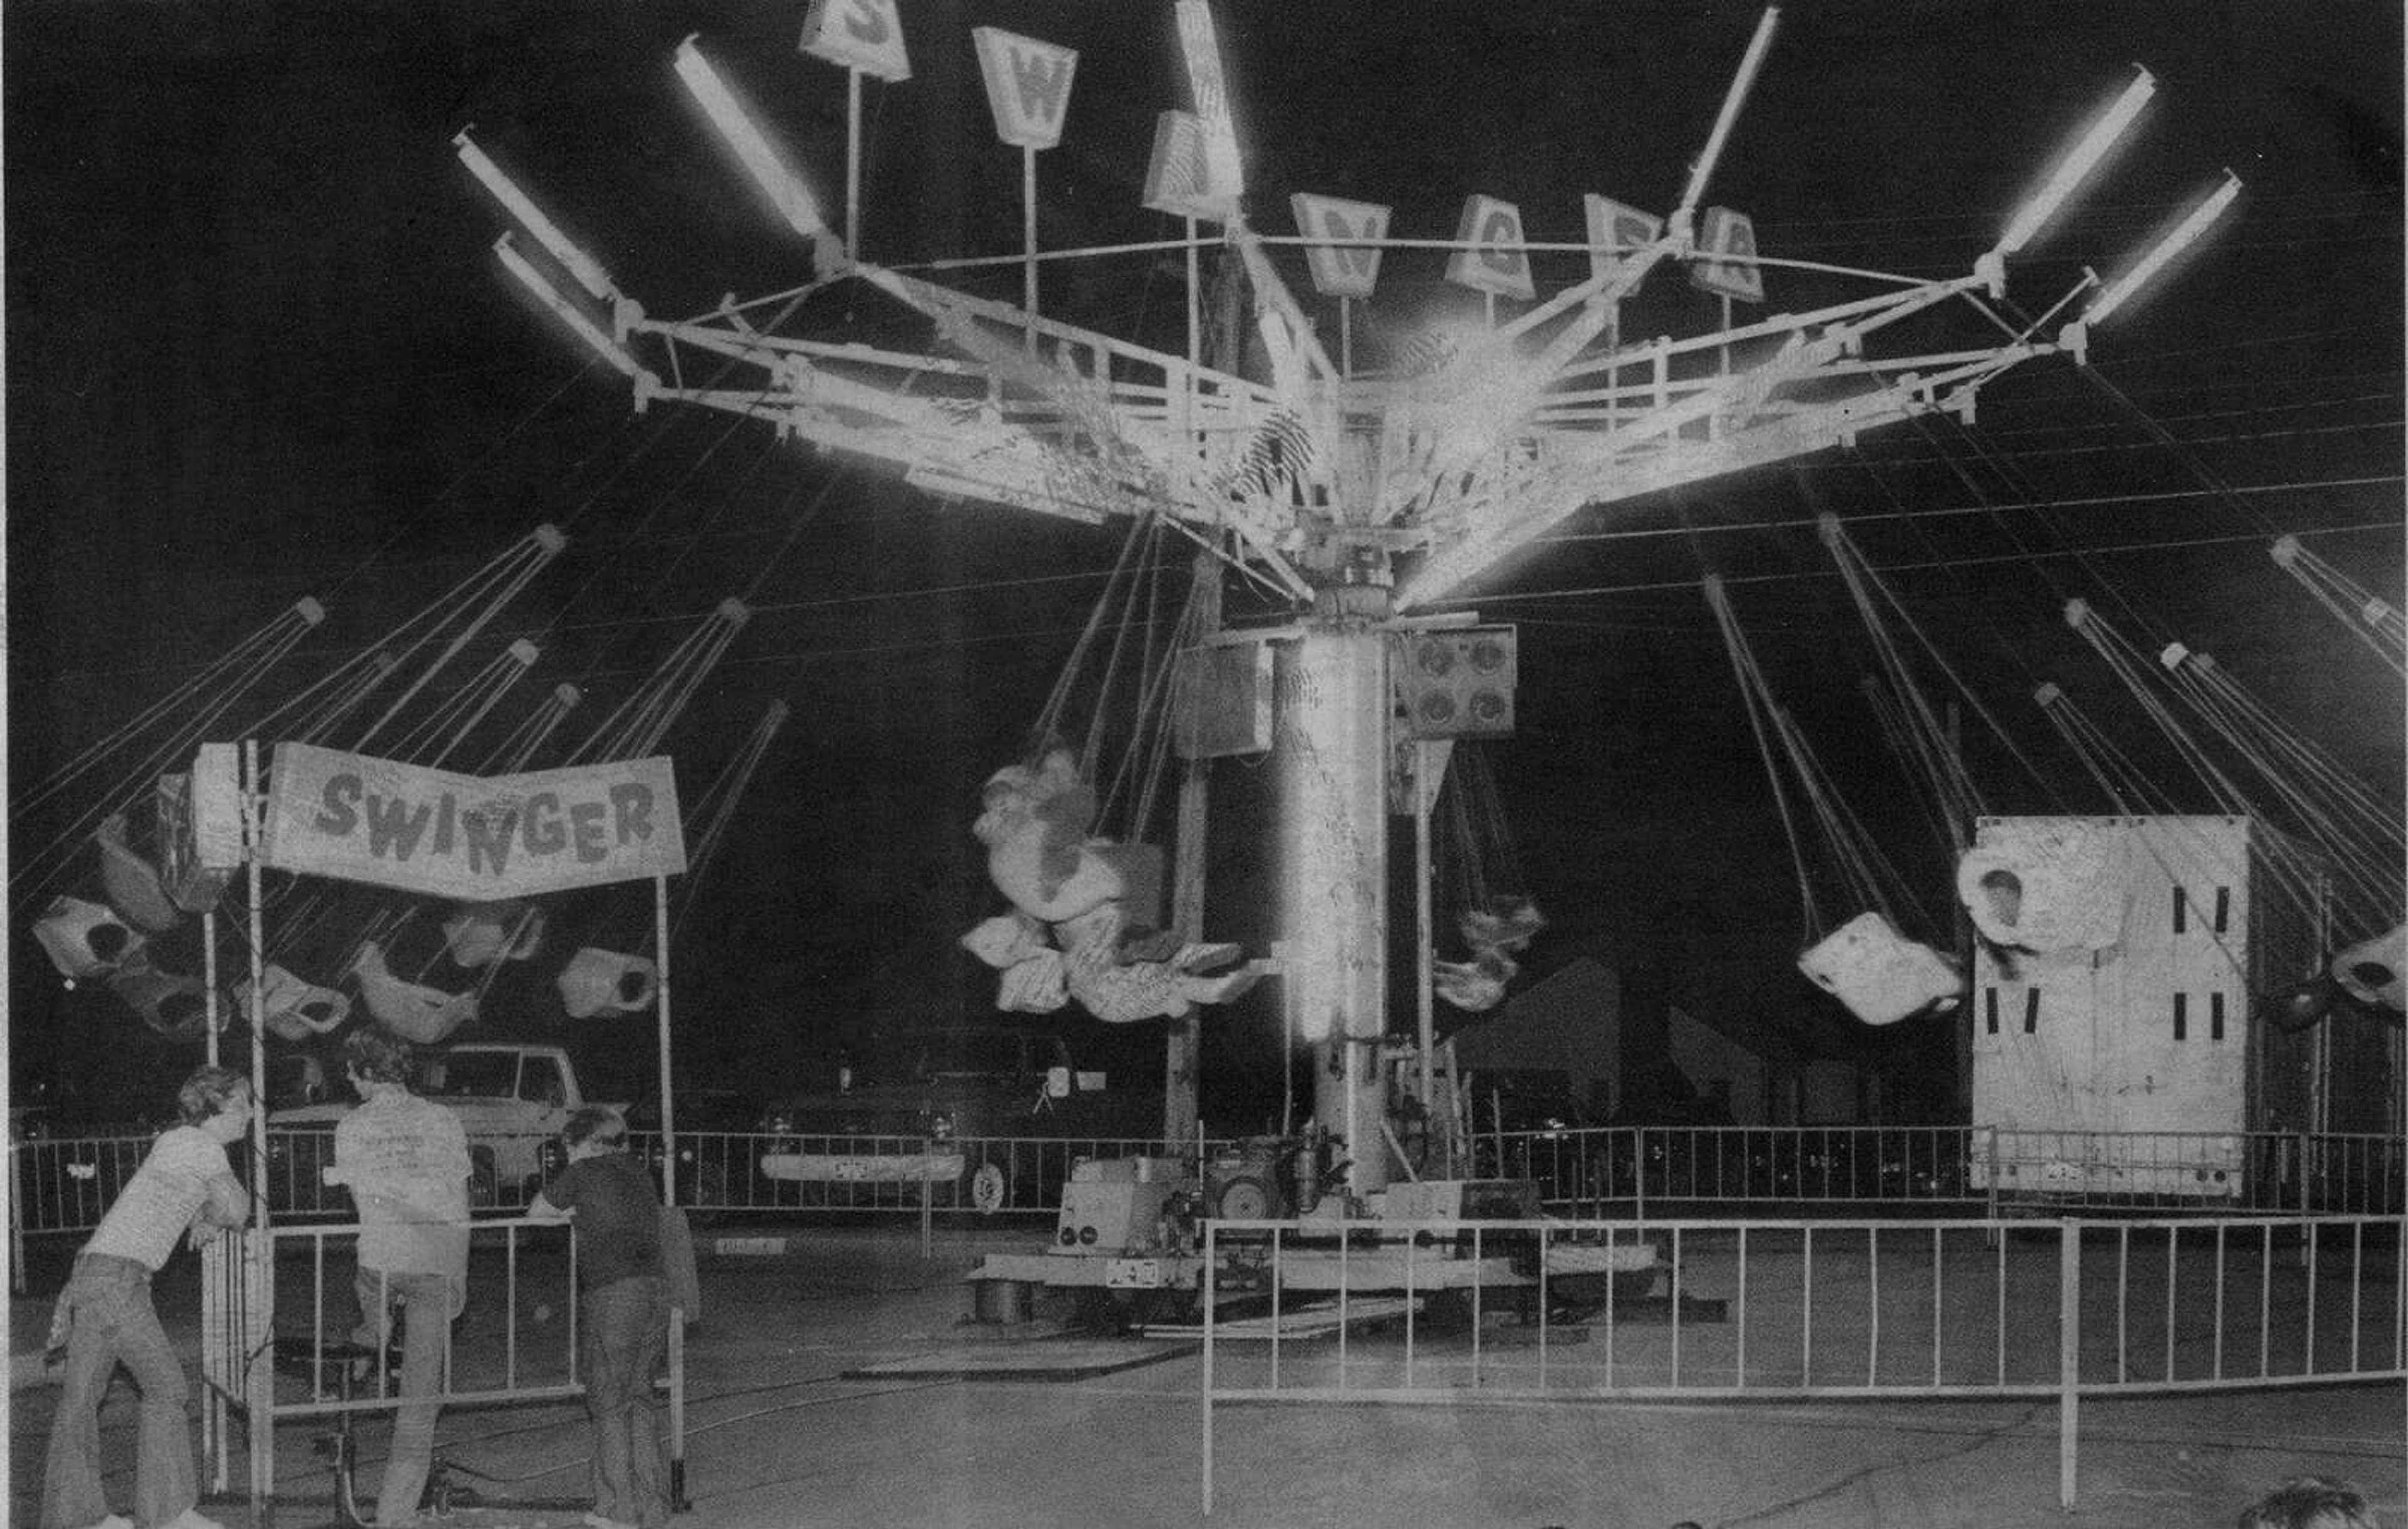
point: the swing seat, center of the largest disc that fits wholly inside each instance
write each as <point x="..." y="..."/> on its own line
<point x="599" y="982"/>
<point x="132" y="882"/>
<point x="85" y="939"/>
<point x="484" y="934"/>
<point x="1880" y="975"/>
<point x="2072" y="877"/>
<point x="175" y="1007"/>
<point x="293" y="1009"/>
<point x="420" y="1015"/>
<point x="2375" y="972"/>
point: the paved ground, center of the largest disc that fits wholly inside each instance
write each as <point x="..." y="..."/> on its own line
<point x="778" y="1435"/>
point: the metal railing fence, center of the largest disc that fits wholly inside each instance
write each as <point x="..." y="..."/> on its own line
<point x="1987" y="1307"/>
<point x="64" y="1185"/>
<point x="279" y="1314"/>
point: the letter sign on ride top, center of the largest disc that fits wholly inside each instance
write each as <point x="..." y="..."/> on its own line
<point x="1615" y="233"/>
<point x="1493" y="259"/>
<point x="1028" y="85"/>
<point x="864" y="35"/>
<point x="478" y="838"/>
<point x="1340" y="270"/>
<point x="1199" y="44"/>
<point x="1176" y="180"/>
<point x="1725" y="263"/>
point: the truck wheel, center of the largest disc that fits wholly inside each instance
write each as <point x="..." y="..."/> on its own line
<point x="988" y="1189"/>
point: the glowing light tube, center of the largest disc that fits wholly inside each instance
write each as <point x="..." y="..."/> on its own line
<point x="2076" y="166"/>
<point x="588" y="271"/>
<point x="2186" y="233"/>
<point x="584" y="328"/>
<point x="787" y="191"/>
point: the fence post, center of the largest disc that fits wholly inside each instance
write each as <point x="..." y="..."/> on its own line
<point x="1639" y="1168"/>
<point x="17" y="1283"/>
<point x="2068" y="1354"/>
<point x="928" y="1200"/>
<point x="1212" y="1306"/>
<point x="2306" y="1236"/>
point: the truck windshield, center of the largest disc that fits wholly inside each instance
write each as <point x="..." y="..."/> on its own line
<point x="473" y="1074"/>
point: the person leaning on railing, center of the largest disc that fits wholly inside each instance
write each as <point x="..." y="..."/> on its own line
<point x="105" y="1317"/>
<point x="406" y="1161"/>
<point x="623" y="1317"/>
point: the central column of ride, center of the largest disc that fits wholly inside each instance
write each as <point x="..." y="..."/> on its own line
<point x="1334" y="705"/>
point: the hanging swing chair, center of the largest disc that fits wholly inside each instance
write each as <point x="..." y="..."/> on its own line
<point x="85" y="939"/>
<point x="292" y="1008"/>
<point x="421" y="1015"/>
<point x="176" y="1006"/>
<point x="132" y="882"/>
<point x="1087" y="919"/>
<point x="484" y="934"/>
<point x="597" y="982"/>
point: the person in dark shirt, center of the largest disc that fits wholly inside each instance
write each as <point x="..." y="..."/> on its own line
<point x="624" y="1299"/>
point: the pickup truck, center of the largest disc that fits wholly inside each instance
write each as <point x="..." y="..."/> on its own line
<point x="983" y="1116"/>
<point x="511" y="1096"/>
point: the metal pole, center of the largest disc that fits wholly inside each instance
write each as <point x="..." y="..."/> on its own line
<point x="853" y="162"/>
<point x="1212" y="1261"/>
<point x="209" y="985"/>
<point x="1028" y="238"/>
<point x="259" y="1376"/>
<point x="669" y="1095"/>
<point x="2069" y="1355"/>
<point x="1423" y="953"/>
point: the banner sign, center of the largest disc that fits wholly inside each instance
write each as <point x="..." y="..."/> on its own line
<point x="1028" y="85"/>
<point x="478" y="838"/>
<point x="1340" y="270"/>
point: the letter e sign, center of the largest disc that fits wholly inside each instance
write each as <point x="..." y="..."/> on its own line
<point x="864" y="35"/>
<point x="1493" y="259"/>
<point x="1725" y="263"/>
<point x="1027" y="83"/>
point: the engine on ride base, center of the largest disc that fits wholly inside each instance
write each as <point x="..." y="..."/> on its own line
<point x="1127" y="1207"/>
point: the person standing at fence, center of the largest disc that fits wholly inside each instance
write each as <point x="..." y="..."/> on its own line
<point x="405" y="1161"/>
<point x="108" y="1319"/>
<point x="624" y="1311"/>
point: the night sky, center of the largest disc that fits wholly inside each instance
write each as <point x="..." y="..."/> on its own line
<point x="258" y="349"/>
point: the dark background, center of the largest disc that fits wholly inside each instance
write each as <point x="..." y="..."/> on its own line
<point x="257" y="349"/>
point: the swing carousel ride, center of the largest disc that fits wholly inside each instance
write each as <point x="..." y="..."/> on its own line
<point x="1355" y="512"/>
<point x="1365" y="503"/>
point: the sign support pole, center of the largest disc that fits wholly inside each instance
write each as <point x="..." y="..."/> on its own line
<point x="852" y="171"/>
<point x="661" y="996"/>
<point x="1028" y="238"/>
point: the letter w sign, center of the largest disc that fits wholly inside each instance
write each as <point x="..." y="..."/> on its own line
<point x="1027" y="83"/>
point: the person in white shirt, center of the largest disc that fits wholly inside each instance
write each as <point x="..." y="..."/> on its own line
<point x="405" y="1161"/>
<point x="184" y="1185"/>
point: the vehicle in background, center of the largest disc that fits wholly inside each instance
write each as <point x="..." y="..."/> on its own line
<point x="511" y="1096"/>
<point x="930" y="1115"/>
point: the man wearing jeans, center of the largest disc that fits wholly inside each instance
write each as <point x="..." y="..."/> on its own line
<point x="108" y="1318"/>
<point x="406" y="1160"/>
<point x="625" y="1310"/>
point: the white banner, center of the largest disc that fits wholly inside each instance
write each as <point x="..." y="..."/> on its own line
<point x="478" y="838"/>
